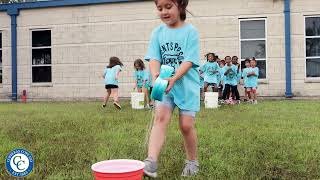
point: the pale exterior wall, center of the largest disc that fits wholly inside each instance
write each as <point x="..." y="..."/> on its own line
<point x="301" y="85"/>
<point x="5" y="87"/>
<point x="84" y="37"/>
<point x="218" y="24"/>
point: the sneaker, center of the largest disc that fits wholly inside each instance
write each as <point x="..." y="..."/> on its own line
<point x="117" y="105"/>
<point x="104" y="105"/>
<point x="191" y="168"/>
<point x="255" y="102"/>
<point x="147" y="106"/>
<point x="238" y="102"/>
<point x="150" y="168"/>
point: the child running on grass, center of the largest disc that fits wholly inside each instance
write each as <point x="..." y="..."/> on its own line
<point x="175" y="43"/>
<point x="111" y="77"/>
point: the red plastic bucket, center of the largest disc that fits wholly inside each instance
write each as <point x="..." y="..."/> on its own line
<point x="122" y="169"/>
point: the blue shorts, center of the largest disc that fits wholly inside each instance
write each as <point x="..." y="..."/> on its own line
<point x="169" y="102"/>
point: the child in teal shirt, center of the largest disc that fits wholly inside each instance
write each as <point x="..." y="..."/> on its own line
<point x="175" y="43"/>
<point x="111" y="77"/>
<point x="245" y="71"/>
<point x="252" y="81"/>
<point x="139" y="74"/>
<point x="211" y="72"/>
<point x="230" y="78"/>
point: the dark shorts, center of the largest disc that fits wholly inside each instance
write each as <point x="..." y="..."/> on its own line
<point x="111" y="86"/>
<point x="210" y="84"/>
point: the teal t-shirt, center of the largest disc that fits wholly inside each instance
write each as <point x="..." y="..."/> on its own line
<point x="148" y="79"/>
<point x="239" y="76"/>
<point x="173" y="47"/>
<point x="219" y="76"/>
<point x="110" y="75"/>
<point x="210" y="74"/>
<point x="245" y="71"/>
<point x="139" y="76"/>
<point x="201" y="79"/>
<point x="252" y="81"/>
<point x="232" y="77"/>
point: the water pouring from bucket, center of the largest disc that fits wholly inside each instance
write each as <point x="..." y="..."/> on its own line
<point x="119" y="169"/>
<point x="160" y="85"/>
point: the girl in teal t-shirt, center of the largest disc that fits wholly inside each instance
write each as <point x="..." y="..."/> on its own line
<point x="111" y="77"/>
<point x="176" y="44"/>
<point x="211" y="73"/>
<point x="140" y="84"/>
<point x="139" y="74"/>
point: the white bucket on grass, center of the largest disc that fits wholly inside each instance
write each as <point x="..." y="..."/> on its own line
<point x="137" y="100"/>
<point x="211" y="100"/>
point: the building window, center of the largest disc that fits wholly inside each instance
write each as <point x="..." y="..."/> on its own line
<point x="41" y="56"/>
<point x="312" y="36"/>
<point x="253" y="43"/>
<point x="0" y="57"/>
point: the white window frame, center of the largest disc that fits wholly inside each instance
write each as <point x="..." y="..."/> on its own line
<point x="305" y="49"/>
<point x="257" y="39"/>
<point x="42" y="65"/>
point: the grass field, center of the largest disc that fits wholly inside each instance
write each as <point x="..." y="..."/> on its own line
<point x="272" y="140"/>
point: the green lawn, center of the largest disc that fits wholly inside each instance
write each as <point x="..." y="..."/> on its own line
<point x="274" y="139"/>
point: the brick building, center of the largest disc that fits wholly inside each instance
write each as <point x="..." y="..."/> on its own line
<point x="58" y="49"/>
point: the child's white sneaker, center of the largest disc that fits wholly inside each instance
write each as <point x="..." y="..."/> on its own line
<point x="117" y="105"/>
<point x="255" y="102"/>
<point x="191" y="168"/>
<point x="150" y="168"/>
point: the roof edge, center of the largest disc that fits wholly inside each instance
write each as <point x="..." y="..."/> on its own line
<point x="57" y="3"/>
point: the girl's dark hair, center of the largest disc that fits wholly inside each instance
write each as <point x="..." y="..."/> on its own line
<point x="213" y="55"/>
<point x="182" y="6"/>
<point x="113" y="61"/>
<point x="139" y="63"/>
<point x="227" y="57"/>
<point x="247" y="60"/>
<point x="234" y="57"/>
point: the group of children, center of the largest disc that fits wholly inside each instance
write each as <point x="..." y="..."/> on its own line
<point x="224" y="75"/>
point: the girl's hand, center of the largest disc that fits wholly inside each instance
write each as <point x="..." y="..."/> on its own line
<point x="171" y="82"/>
